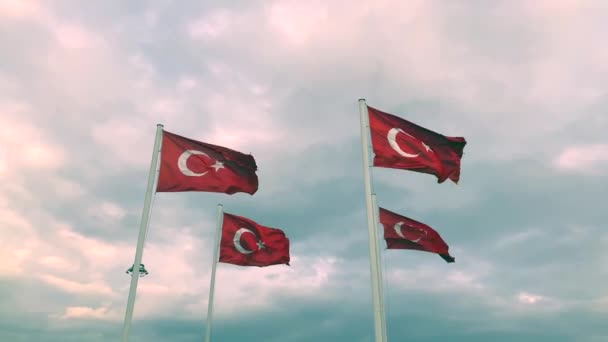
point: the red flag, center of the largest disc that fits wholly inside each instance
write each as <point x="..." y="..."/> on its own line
<point x="246" y="243"/>
<point x="400" y="144"/>
<point x="401" y="232"/>
<point x="190" y="165"/>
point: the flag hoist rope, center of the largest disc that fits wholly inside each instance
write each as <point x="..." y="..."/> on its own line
<point x="214" y="260"/>
<point x="375" y="265"/>
<point x="143" y="227"/>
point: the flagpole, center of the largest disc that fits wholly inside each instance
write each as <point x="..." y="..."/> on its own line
<point x="214" y="259"/>
<point x="143" y="227"/>
<point x="379" y="259"/>
<point x="379" y="325"/>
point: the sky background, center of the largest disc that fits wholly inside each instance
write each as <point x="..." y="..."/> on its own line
<point x="84" y="83"/>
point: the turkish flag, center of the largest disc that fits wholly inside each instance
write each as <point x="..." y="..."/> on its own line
<point x="190" y="165"/>
<point x="401" y="232"/>
<point x="400" y="144"/>
<point x="246" y="243"/>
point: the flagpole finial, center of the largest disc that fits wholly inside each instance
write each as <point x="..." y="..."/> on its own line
<point x="160" y="125"/>
<point x="220" y="205"/>
<point x="362" y="99"/>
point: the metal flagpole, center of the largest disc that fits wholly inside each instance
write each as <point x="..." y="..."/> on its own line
<point x="214" y="259"/>
<point x="143" y="227"/>
<point x="379" y="259"/>
<point x="379" y="325"/>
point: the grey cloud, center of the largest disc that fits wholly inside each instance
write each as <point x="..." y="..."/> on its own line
<point x="494" y="73"/>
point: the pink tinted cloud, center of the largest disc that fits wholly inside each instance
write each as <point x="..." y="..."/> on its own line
<point x="583" y="158"/>
<point x="19" y="8"/>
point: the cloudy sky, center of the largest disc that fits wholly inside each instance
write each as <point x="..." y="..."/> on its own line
<point x="84" y="83"/>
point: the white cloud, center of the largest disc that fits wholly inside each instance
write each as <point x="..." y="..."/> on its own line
<point x="70" y="286"/>
<point x="306" y="278"/>
<point x="20" y="8"/>
<point x="212" y="25"/>
<point x="18" y="241"/>
<point x="527" y="298"/>
<point x="115" y="134"/>
<point x="14" y="261"/>
<point x="507" y="304"/>
<point x="600" y="304"/>
<point x="65" y="188"/>
<point x="525" y="303"/>
<point x="517" y="238"/>
<point x="583" y="158"/>
<point x="187" y="83"/>
<point x="436" y="279"/>
<point x="59" y="263"/>
<point x="65" y="257"/>
<point x="24" y="145"/>
<point x="76" y="37"/>
<point x="297" y="21"/>
<point x="107" y="212"/>
<point x="473" y="280"/>
<point x="101" y="256"/>
<point x="85" y="312"/>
